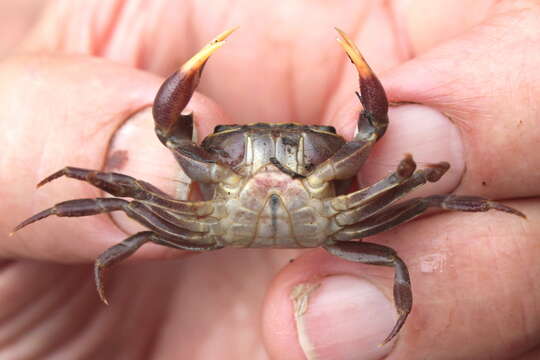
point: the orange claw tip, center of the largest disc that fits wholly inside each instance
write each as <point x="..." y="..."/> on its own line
<point x="354" y="54"/>
<point x="199" y="59"/>
<point x="225" y="34"/>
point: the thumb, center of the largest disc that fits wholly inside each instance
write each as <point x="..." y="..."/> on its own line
<point x="62" y="111"/>
<point x="485" y="82"/>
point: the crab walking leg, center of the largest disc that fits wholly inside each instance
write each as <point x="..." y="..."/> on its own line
<point x="412" y="208"/>
<point x="116" y="254"/>
<point x="78" y="207"/>
<point x="364" y="205"/>
<point x="372" y="123"/>
<point x="127" y="186"/>
<point x="404" y="171"/>
<point x="175" y="130"/>
<point x="127" y="247"/>
<point x="134" y="209"/>
<point x="374" y="254"/>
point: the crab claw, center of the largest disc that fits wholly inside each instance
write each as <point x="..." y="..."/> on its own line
<point x="176" y="91"/>
<point x="374" y="118"/>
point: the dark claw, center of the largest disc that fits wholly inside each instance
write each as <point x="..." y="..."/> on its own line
<point x="372" y="123"/>
<point x="176" y="91"/>
<point x="374" y="118"/>
<point x="175" y="130"/>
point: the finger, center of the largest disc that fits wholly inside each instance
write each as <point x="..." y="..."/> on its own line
<point x="491" y="102"/>
<point x="485" y="84"/>
<point x="122" y="31"/>
<point x="474" y="294"/>
<point x="74" y="124"/>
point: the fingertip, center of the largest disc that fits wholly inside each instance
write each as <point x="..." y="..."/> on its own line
<point x="316" y="310"/>
<point x="429" y="136"/>
<point x="77" y="123"/>
<point x="414" y="129"/>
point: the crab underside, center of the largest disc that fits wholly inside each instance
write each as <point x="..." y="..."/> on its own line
<point x="269" y="185"/>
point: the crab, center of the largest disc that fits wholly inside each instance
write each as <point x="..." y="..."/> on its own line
<point x="269" y="185"/>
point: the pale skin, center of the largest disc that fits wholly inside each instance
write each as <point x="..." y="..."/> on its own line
<point x="479" y="304"/>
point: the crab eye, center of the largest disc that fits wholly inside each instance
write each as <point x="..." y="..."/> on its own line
<point x="221" y="128"/>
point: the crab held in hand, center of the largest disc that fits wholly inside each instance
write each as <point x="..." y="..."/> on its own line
<point x="269" y="185"/>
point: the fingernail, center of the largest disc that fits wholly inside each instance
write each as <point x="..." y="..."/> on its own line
<point x="427" y="134"/>
<point x="343" y="318"/>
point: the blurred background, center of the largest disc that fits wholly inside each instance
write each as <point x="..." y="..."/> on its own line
<point x="16" y="18"/>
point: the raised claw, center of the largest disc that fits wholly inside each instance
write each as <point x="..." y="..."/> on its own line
<point x="176" y="91"/>
<point x="354" y="54"/>
<point x="197" y="61"/>
<point x="373" y="119"/>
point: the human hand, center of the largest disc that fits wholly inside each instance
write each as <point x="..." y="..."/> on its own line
<point x="470" y="300"/>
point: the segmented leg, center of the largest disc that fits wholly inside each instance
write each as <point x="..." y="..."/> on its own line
<point x="375" y="254"/>
<point x="372" y="123"/>
<point x="127" y="247"/>
<point x="116" y="254"/>
<point x="134" y="209"/>
<point x="365" y="203"/>
<point x="112" y="183"/>
<point x="127" y="186"/>
<point x="78" y="207"/>
<point x="175" y="130"/>
<point x="408" y="210"/>
<point x="404" y="171"/>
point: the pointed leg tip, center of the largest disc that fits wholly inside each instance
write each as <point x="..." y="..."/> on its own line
<point x="20" y="226"/>
<point x="104" y="299"/>
<point x="389" y="338"/>
<point x="101" y="293"/>
<point x="516" y="212"/>
<point x="52" y="177"/>
<point x="507" y="209"/>
<point x="403" y="314"/>
<point x="39" y="216"/>
<point x="98" y="276"/>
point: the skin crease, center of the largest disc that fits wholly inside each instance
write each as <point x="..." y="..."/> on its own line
<point x="282" y="65"/>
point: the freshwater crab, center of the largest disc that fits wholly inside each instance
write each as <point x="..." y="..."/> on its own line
<point x="269" y="185"/>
